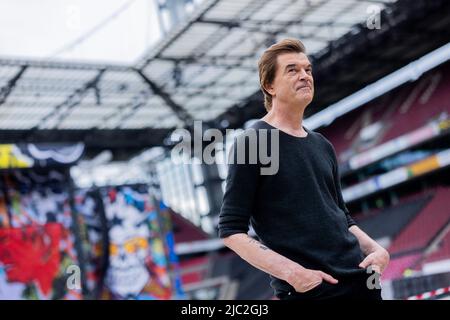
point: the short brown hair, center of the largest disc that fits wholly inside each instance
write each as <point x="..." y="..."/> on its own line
<point x="267" y="64"/>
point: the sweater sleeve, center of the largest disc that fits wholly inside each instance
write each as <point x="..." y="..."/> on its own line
<point x="341" y="202"/>
<point x="337" y="183"/>
<point x="240" y="190"/>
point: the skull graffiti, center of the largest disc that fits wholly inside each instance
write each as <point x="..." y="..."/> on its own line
<point x="129" y="234"/>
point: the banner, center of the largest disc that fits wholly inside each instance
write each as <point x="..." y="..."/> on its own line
<point x="30" y="155"/>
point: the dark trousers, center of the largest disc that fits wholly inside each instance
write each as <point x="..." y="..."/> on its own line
<point x="354" y="288"/>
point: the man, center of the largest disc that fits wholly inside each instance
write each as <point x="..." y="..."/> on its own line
<point x="308" y="242"/>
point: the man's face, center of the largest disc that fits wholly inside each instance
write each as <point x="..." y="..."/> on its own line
<point x="293" y="83"/>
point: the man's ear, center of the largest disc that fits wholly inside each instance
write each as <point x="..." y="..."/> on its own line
<point x="269" y="88"/>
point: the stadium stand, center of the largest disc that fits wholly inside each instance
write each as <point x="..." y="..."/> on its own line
<point x="397" y="267"/>
<point x="441" y="252"/>
<point x="419" y="102"/>
<point x="398" y="216"/>
<point x="251" y="282"/>
<point x="418" y="234"/>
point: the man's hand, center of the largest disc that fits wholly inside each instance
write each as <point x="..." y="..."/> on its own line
<point x="378" y="259"/>
<point x="306" y="279"/>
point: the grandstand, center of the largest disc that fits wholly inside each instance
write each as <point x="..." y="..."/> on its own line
<point x="410" y="218"/>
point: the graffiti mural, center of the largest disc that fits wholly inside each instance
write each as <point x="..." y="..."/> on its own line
<point x="30" y="255"/>
<point x="115" y="237"/>
<point x="138" y="268"/>
<point x="36" y="239"/>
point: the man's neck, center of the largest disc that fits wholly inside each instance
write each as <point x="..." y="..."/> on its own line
<point x="287" y="119"/>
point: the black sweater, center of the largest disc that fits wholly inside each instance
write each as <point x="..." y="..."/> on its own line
<point x="297" y="212"/>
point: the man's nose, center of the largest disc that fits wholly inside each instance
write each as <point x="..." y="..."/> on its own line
<point x="303" y="75"/>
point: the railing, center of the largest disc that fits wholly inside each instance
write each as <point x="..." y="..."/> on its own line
<point x="408" y="287"/>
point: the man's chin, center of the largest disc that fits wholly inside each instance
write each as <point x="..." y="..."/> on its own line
<point x="306" y="99"/>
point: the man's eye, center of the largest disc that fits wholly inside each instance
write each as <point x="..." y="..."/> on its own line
<point x="291" y="70"/>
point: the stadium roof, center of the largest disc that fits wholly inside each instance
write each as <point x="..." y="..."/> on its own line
<point x="210" y="63"/>
<point x="204" y="69"/>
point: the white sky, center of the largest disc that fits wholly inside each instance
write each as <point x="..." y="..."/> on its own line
<point x="41" y="28"/>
